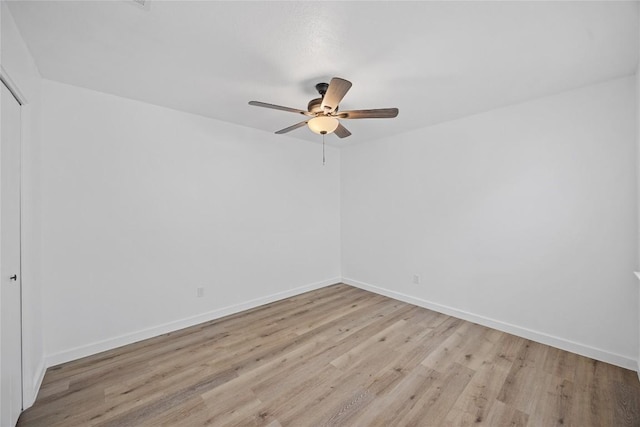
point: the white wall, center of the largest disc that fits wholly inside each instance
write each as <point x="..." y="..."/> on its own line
<point x="19" y="67"/>
<point x="522" y="218"/>
<point x="143" y="204"/>
<point x="638" y="194"/>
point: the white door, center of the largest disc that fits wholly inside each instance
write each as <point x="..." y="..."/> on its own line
<point x="10" y="281"/>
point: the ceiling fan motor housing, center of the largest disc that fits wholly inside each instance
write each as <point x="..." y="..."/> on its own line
<point x="315" y="105"/>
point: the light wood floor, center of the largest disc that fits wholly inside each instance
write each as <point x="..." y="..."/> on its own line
<point x="337" y="356"/>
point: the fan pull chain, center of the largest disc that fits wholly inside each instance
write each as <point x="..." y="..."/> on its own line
<point x="323" y="161"/>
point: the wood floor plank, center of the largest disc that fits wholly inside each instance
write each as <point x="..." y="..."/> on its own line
<point x="476" y="400"/>
<point x="435" y="403"/>
<point x="336" y="356"/>
<point x="304" y="393"/>
<point x="503" y="415"/>
<point x="401" y="399"/>
<point x="525" y="382"/>
<point x="627" y="404"/>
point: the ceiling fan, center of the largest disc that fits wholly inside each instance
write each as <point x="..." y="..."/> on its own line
<point x="323" y="115"/>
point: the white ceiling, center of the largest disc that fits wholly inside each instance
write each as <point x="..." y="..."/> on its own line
<point x="435" y="61"/>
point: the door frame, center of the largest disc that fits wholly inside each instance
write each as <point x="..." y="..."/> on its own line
<point x="13" y="87"/>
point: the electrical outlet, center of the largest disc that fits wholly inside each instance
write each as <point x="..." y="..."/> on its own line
<point x="416" y="279"/>
<point x="200" y="292"/>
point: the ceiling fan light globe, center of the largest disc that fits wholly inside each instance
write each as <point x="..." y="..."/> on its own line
<point x="323" y="124"/>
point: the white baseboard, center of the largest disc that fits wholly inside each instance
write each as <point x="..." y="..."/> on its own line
<point x="541" y="337"/>
<point x="119" y="341"/>
<point x="638" y="367"/>
<point x="29" y="394"/>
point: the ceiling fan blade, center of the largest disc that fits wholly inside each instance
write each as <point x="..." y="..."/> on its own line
<point x="342" y="131"/>
<point x="379" y="113"/>
<point x="279" y="107"/>
<point x="290" y="128"/>
<point x="338" y="88"/>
